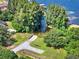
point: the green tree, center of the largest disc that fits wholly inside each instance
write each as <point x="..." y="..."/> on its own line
<point x="6" y="15"/>
<point x="56" y="38"/>
<point x="76" y="33"/>
<point x="7" y="54"/>
<point x="4" y="36"/>
<point x="57" y="17"/>
<point x="28" y="18"/>
<point x="14" y="5"/>
<point x="73" y="48"/>
<point x="70" y="56"/>
<point x="60" y="38"/>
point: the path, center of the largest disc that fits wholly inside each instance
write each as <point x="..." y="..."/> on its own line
<point x="26" y="45"/>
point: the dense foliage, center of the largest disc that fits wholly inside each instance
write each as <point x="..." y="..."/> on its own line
<point x="70" y="56"/>
<point x="14" y="5"/>
<point x="6" y="54"/>
<point x="73" y="48"/>
<point x="6" y="15"/>
<point x="4" y="36"/>
<point x="57" y="17"/>
<point x="57" y="38"/>
<point x="67" y="39"/>
<point x="26" y="16"/>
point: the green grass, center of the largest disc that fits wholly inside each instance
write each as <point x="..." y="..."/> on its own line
<point x="50" y="52"/>
<point x="20" y="37"/>
<point x="23" y="55"/>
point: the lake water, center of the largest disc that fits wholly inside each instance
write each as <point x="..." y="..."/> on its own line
<point x="72" y="6"/>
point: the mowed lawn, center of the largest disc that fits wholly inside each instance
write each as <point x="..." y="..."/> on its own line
<point x="20" y="37"/>
<point x="50" y="52"/>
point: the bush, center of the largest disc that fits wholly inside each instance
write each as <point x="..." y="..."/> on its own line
<point x="7" y="54"/>
<point x="6" y="15"/>
<point x="76" y="33"/>
<point x="5" y="39"/>
<point x="56" y="38"/>
<point x="73" y="48"/>
<point x="70" y="56"/>
<point x="57" y="17"/>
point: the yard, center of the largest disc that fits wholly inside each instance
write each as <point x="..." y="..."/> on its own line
<point x="50" y="53"/>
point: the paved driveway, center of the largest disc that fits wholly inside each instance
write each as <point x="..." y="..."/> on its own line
<point x="26" y="45"/>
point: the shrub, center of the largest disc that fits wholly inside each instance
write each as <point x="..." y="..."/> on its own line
<point x="73" y="48"/>
<point x="56" y="38"/>
<point x="6" y="15"/>
<point x="7" y="54"/>
<point x="57" y="17"/>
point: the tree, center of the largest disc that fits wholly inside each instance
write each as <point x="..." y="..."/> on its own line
<point x="60" y="38"/>
<point x="70" y="56"/>
<point x="56" y="38"/>
<point x="76" y="32"/>
<point x="28" y="17"/>
<point x="14" y="5"/>
<point x="6" y="15"/>
<point x="67" y="39"/>
<point x="57" y="17"/>
<point x="73" y="48"/>
<point x="5" y="36"/>
<point x="7" y="54"/>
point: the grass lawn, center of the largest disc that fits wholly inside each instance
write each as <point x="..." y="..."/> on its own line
<point x="50" y="53"/>
<point x="20" y="37"/>
<point x="23" y="55"/>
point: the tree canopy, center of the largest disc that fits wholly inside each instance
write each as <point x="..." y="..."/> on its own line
<point x="27" y="16"/>
<point x="57" y="17"/>
<point x="5" y="36"/>
<point x="67" y="39"/>
<point x="7" y="54"/>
